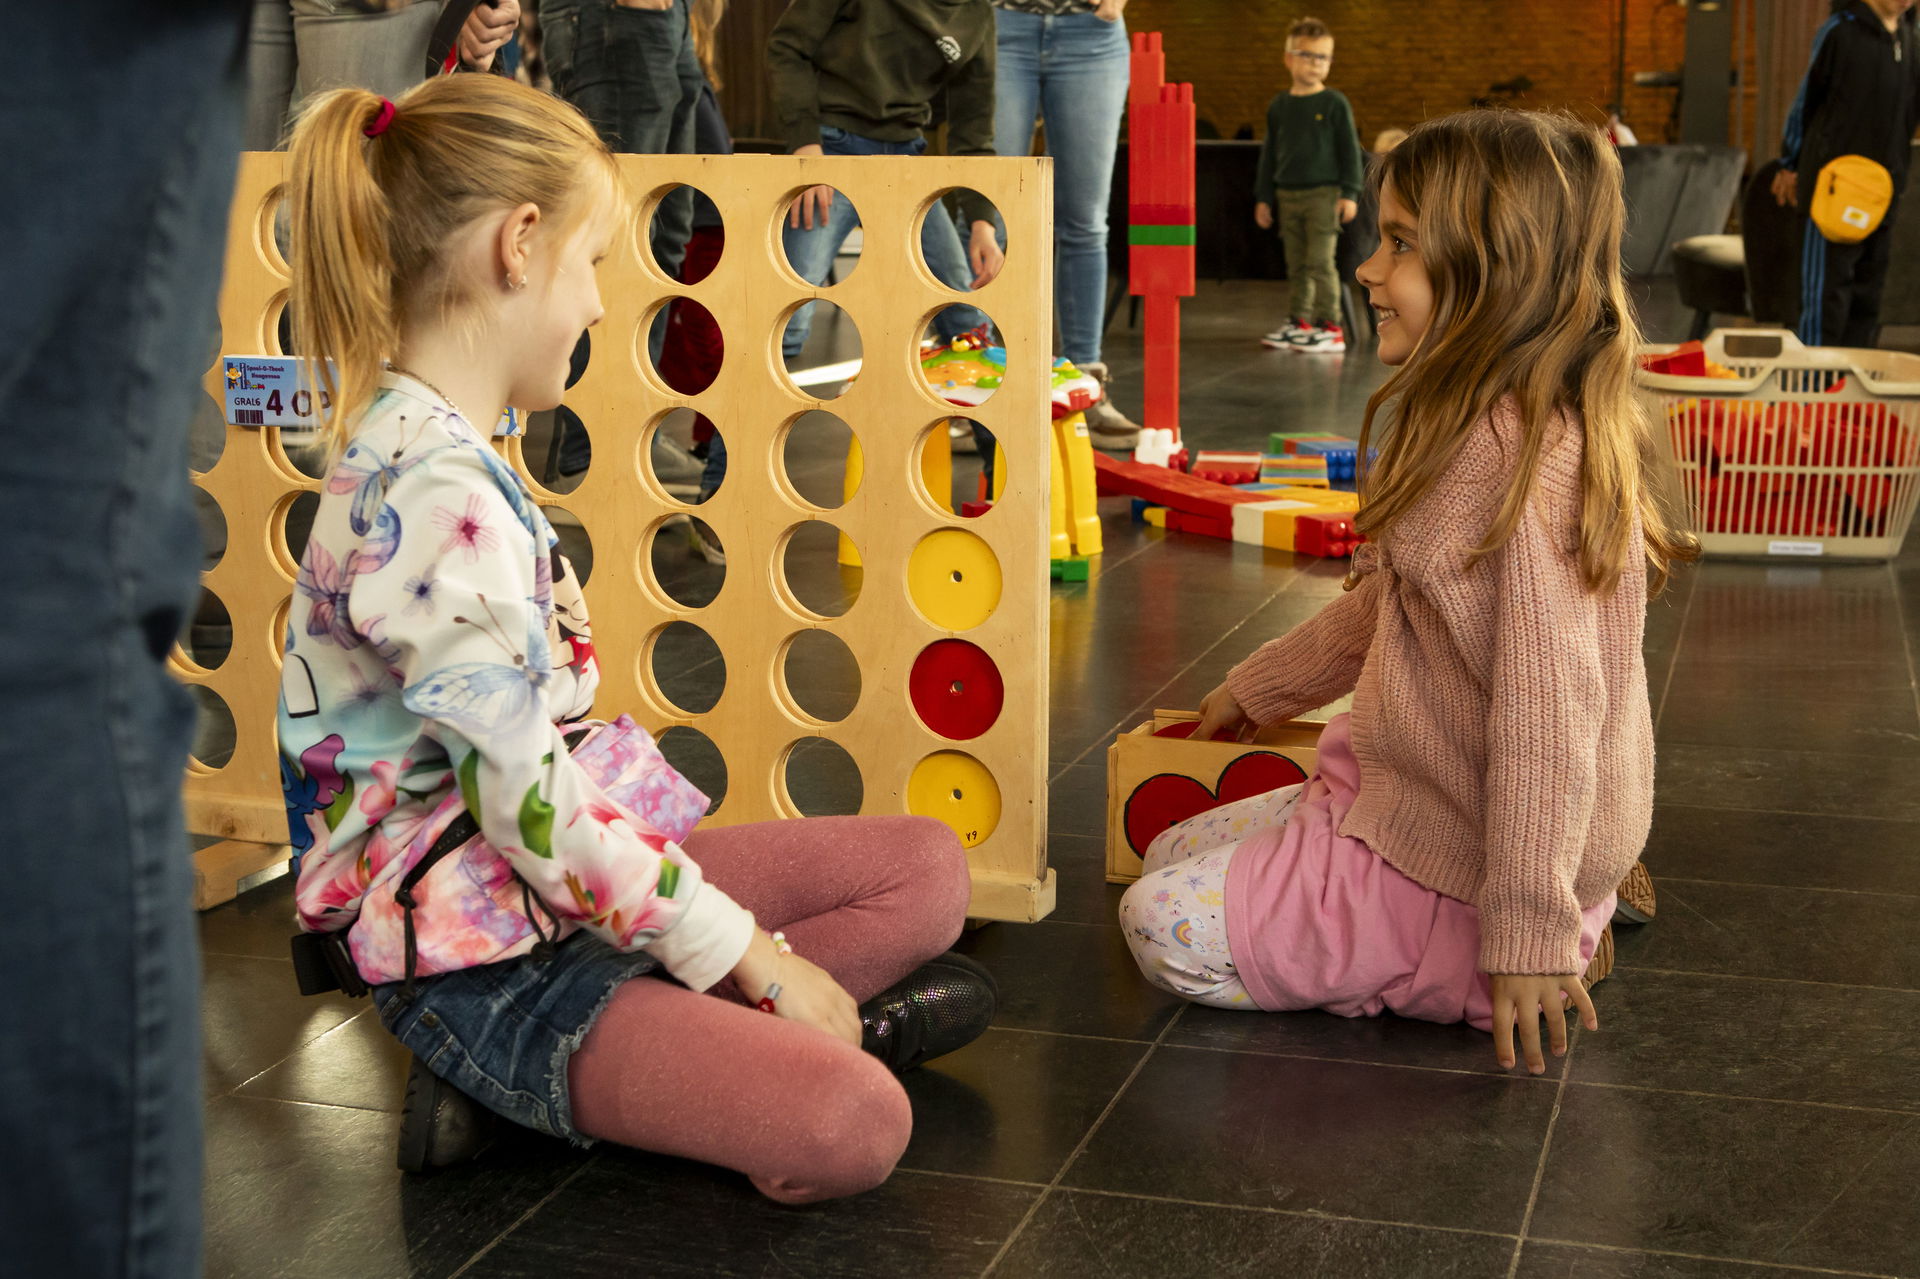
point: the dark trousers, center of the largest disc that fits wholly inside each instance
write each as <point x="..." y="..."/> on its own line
<point x="122" y="122"/>
<point x="633" y="73"/>
<point x="1840" y="286"/>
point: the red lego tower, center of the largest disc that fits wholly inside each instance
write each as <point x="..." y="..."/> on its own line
<point x="1160" y="162"/>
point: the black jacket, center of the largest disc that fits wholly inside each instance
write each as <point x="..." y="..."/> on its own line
<point x="1861" y="96"/>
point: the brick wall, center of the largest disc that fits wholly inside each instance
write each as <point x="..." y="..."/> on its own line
<point x="1404" y="61"/>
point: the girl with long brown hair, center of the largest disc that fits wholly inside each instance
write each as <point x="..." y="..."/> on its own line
<point x="515" y="882"/>
<point x="1456" y="854"/>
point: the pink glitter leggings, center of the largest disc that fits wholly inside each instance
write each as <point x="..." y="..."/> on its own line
<point x="704" y="1076"/>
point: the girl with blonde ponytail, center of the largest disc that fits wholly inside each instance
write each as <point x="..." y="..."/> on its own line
<point x="522" y="887"/>
<point x="1457" y="853"/>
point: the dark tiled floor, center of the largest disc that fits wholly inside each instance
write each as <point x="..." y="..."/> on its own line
<point x="1749" y="1110"/>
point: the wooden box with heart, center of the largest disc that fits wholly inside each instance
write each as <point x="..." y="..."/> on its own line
<point x="1157" y="777"/>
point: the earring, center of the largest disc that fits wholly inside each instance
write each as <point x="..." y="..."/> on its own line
<point x="512" y="283"/>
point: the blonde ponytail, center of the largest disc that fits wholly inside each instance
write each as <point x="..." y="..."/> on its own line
<point x="372" y="218"/>
<point x="344" y="321"/>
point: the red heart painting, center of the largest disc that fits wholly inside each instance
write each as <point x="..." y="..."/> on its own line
<point x="1167" y="799"/>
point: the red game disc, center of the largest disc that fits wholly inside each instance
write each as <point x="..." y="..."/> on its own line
<point x="956" y="689"/>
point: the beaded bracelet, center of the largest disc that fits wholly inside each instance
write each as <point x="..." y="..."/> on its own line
<point x="769" y="1000"/>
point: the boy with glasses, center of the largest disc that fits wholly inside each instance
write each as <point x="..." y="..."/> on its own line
<point x="1310" y="172"/>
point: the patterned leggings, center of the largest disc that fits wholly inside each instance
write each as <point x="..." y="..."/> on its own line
<point x="1175" y="917"/>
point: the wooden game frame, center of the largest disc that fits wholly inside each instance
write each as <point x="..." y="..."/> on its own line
<point x="757" y="721"/>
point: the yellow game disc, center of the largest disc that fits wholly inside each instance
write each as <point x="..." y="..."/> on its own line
<point x="957" y="789"/>
<point x="954" y="578"/>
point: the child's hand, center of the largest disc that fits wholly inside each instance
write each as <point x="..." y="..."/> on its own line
<point x="811" y="209"/>
<point x="1523" y="999"/>
<point x="1221" y="710"/>
<point x="808" y="993"/>
<point x="983" y="252"/>
<point x="1263" y="216"/>
<point x="1349" y="210"/>
<point x="1786" y="187"/>
<point x="1110" y="10"/>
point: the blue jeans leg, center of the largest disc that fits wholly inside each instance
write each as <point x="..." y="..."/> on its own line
<point x="946" y="256"/>
<point x="810" y="252"/>
<point x="116" y="262"/>
<point x="1076" y="68"/>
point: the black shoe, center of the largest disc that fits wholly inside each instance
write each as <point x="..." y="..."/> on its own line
<point x="941" y="1006"/>
<point x="439" y="1124"/>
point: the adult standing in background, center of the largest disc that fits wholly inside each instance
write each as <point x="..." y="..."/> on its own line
<point x="1068" y="63"/>
<point x="122" y="120"/>
<point x="630" y="66"/>
<point x="298" y="48"/>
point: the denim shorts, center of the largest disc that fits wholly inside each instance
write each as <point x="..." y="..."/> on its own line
<point x="503" y="1033"/>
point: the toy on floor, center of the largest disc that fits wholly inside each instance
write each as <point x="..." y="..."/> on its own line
<point x="1226" y="466"/>
<point x="1299" y="471"/>
<point x="1793" y="459"/>
<point x="1310" y="521"/>
<point x="1160" y="231"/>
<point x="1158" y="776"/>
<point x="966" y="372"/>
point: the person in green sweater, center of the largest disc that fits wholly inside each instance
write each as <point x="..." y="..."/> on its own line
<point x="861" y="78"/>
<point x="1310" y="172"/>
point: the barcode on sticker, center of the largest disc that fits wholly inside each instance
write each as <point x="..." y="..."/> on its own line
<point x="249" y="417"/>
<point x="1796" y="548"/>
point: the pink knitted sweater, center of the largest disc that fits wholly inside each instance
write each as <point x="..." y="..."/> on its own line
<point x="1500" y="711"/>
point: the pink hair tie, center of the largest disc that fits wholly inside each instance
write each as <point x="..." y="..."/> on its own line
<point x="381" y="121"/>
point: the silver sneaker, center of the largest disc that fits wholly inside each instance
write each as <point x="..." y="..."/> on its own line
<point x="677" y="470"/>
<point x="1287" y="336"/>
<point x="703" y="544"/>
<point x="1107" y="426"/>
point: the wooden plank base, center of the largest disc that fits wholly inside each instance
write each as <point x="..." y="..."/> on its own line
<point x="218" y="869"/>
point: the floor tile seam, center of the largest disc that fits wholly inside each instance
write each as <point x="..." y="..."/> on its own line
<point x="1544" y="1241"/>
<point x="971" y="1176"/>
<point x="1906" y="642"/>
<point x="294" y="1101"/>
<point x="1673" y="658"/>
<point x="1912" y="1112"/>
<point x="1147" y="704"/>
<point x="1546" y="1152"/>
<point x="1086" y="1137"/>
<point x="526" y="1216"/>
<point x="1785" y="981"/>
<point x="1791" y="888"/>
<point x="1361" y="1061"/>
<point x="1068" y="1034"/>
<point x="300" y="1048"/>
<point x="1125" y="557"/>
<point x="297" y="1101"/>
<point x="1077" y="923"/>
<point x="1707" y="808"/>
<point x="1307" y="1214"/>
<point x="1662" y="737"/>
<point x="1770" y="812"/>
<point x="1774" y="697"/>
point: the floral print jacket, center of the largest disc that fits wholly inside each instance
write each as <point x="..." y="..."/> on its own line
<point x="436" y="646"/>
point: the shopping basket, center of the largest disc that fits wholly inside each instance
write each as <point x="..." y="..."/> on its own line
<point x="1785" y="450"/>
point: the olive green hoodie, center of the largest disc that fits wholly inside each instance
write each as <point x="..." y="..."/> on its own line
<point x="874" y="67"/>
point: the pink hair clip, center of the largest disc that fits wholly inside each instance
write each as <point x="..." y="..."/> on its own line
<point x="381" y="121"/>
